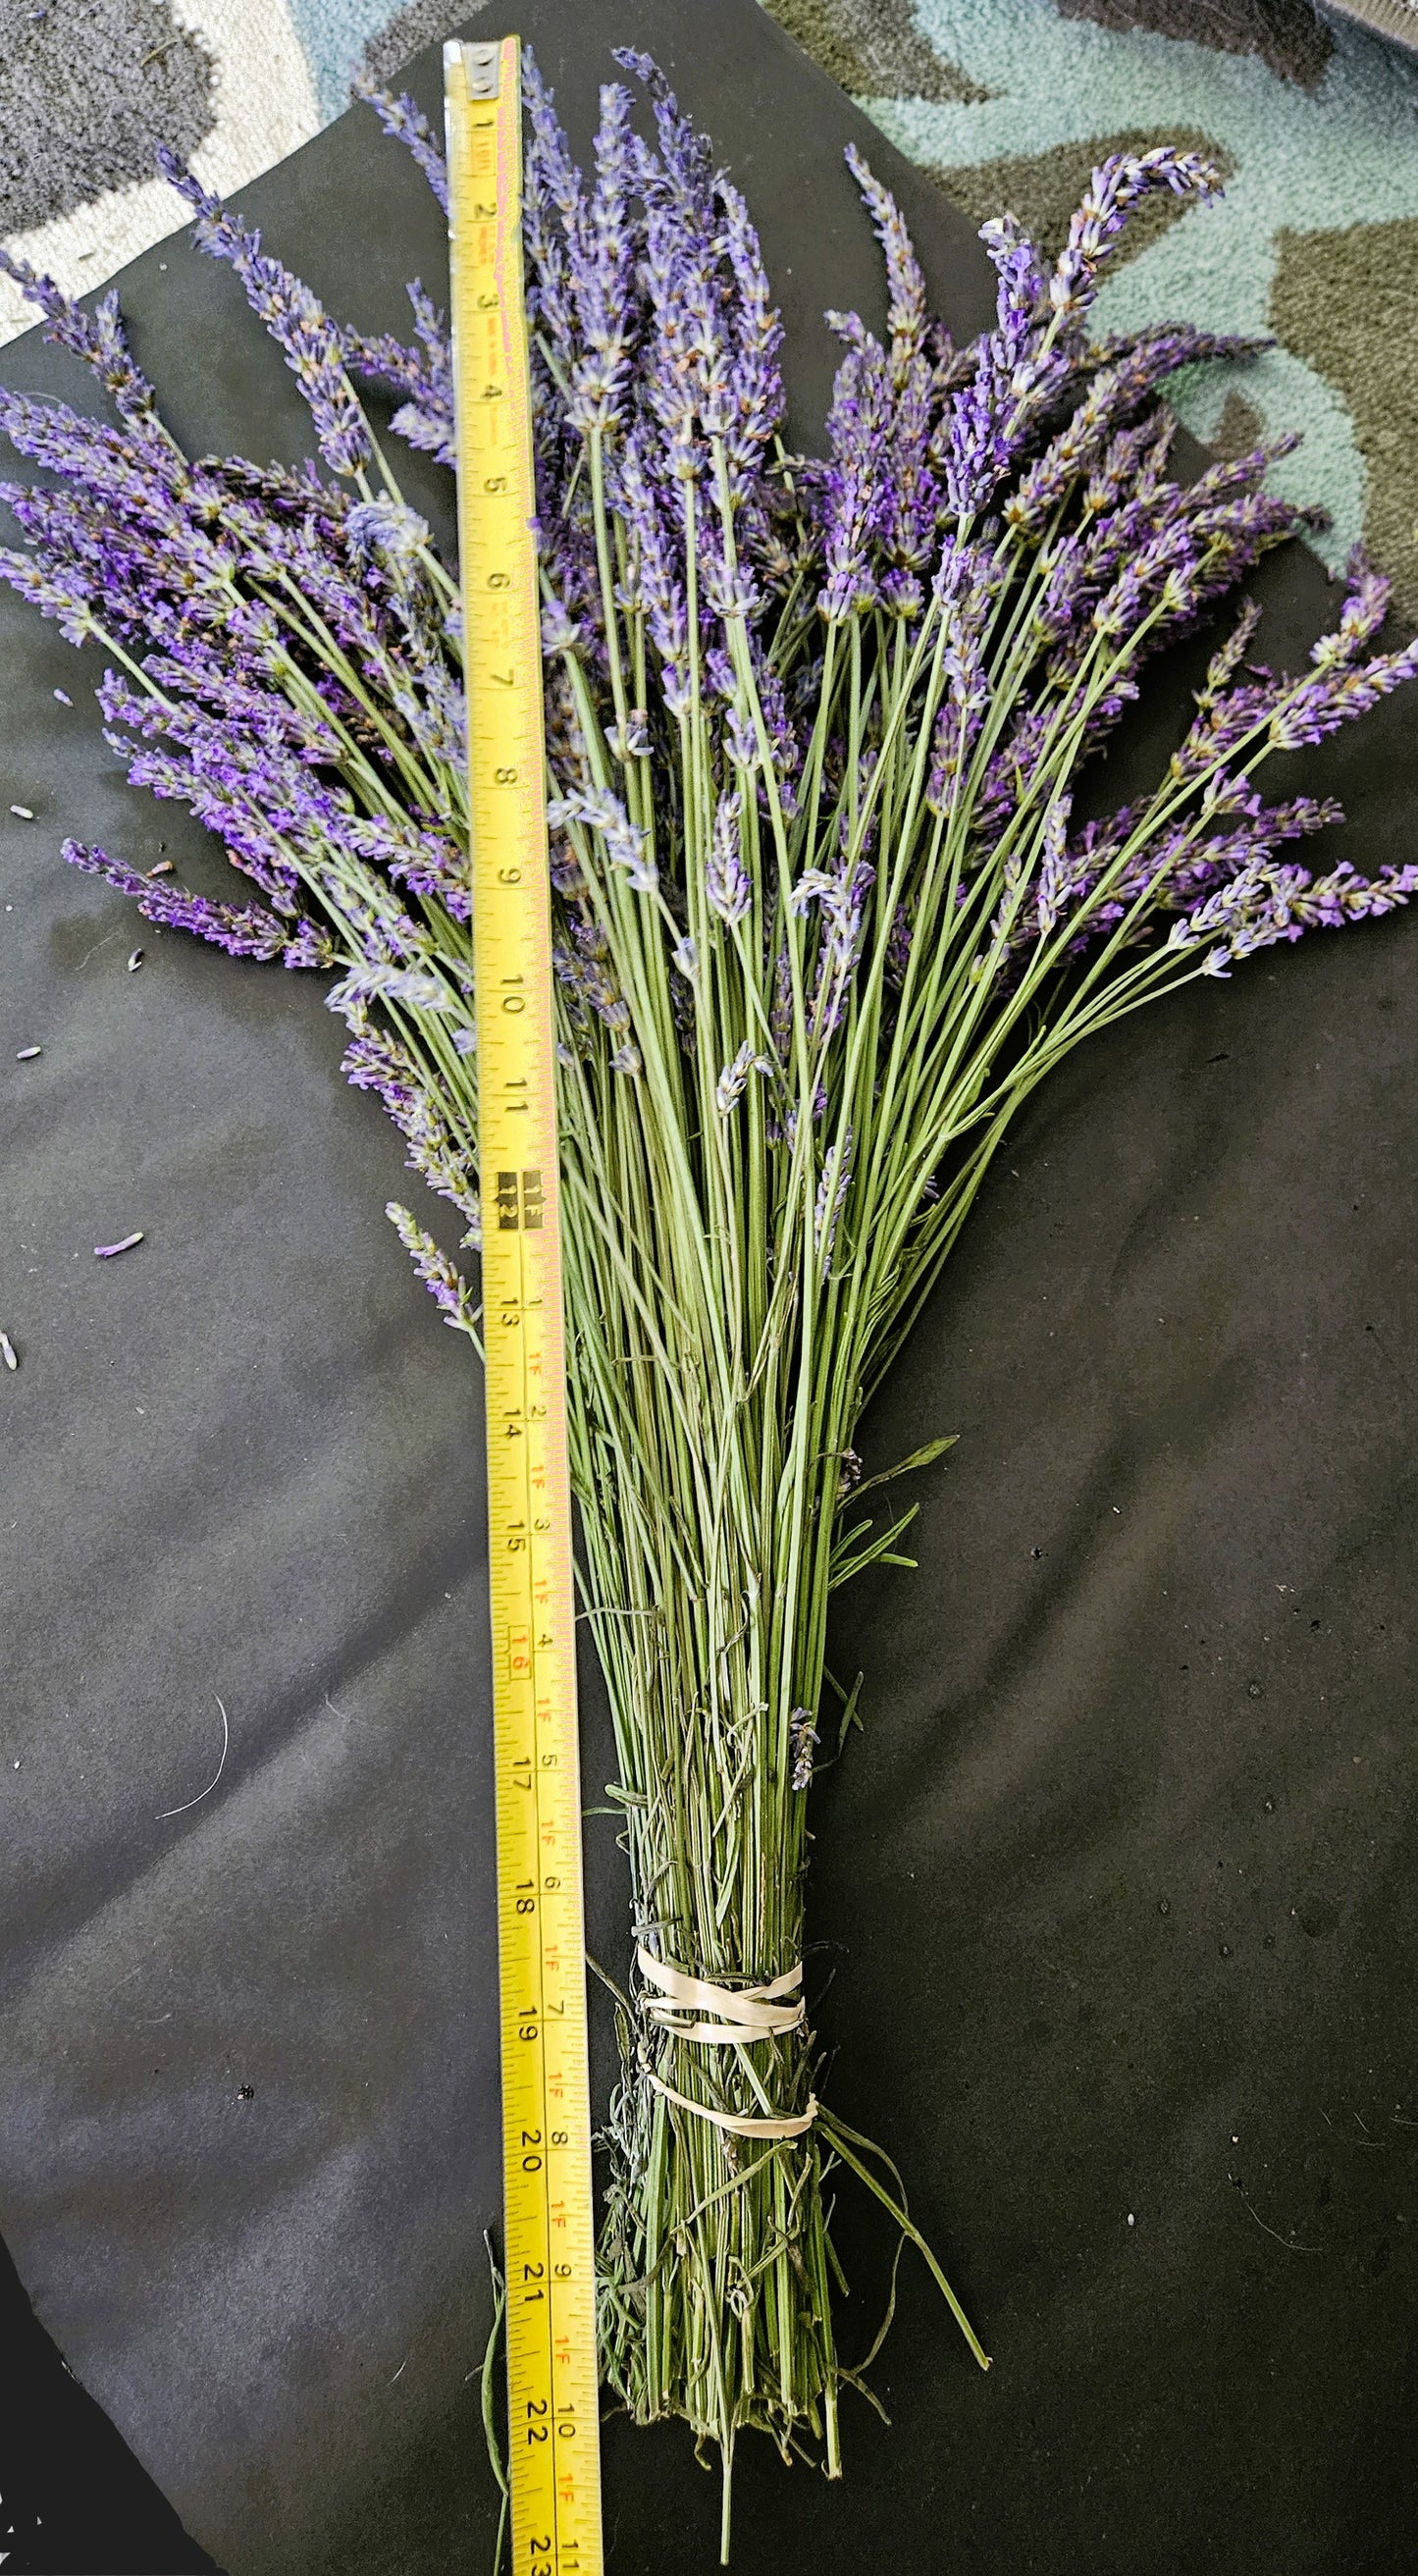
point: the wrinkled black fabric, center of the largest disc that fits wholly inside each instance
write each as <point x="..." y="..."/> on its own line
<point x="1113" y="1899"/>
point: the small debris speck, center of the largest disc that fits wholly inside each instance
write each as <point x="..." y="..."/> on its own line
<point x="25" y="812"/>
<point x="1269" y="1804"/>
<point x="135" y="961"/>
<point x="246" y="2092"/>
<point x="1162" y="1905"/>
<point x="8" y="1352"/>
<point x="1225" y="1949"/>
<point x="106" y="1251"/>
<point x="25" y="1053"/>
<point x="1132" y="2218"/>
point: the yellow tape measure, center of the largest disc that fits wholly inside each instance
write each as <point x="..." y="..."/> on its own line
<point x="546" y="2115"/>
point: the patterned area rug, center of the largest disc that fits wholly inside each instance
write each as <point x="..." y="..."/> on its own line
<point x="1314" y="120"/>
<point x="1312" y="116"/>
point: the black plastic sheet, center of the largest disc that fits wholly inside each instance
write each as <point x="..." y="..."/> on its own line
<point x="1114" y="1897"/>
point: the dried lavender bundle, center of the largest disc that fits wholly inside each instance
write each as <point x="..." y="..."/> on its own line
<point x="822" y="921"/>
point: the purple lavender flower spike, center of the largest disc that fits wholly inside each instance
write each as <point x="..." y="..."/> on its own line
<point x="906" y="285"/>
<point x="624" y="841"/>
<point x="829" y="1203"/>
<point x="378" y="1063"/>
<point x="1320" y="706"/>
<point x="677" y="363"/>
<point x="1117" y="185"/>
<point x="295" y="318"/>
<point x="402" y="119"/>
<point x="425" y="418"/>
<point x="310" y="946"/>
<point x="687" y="166"/>
<point x="727" y="885"/>
<point x="549" y="192"/>
<point x="599" y="274"/>
<point x="898" y="947"/>
<point x="853" y="484"/>
<point x="1266" y="903"/>
<point x="389" y="530"/>
<point x="450" y="1291"/>
<point x="733" y="1081"/>
<point x="97" y="338"/>
<point x="1050" y="894"/>
<point x="758" y="394"/>
<point x="660" y="586"/>
<point x="1360" y="618"/>
<point x="740" y="738"/>
<point x="53" y="594"/>
<point x="245" y="931"/>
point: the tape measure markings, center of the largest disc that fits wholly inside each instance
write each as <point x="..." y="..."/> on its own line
<point x="550" y="2242"/>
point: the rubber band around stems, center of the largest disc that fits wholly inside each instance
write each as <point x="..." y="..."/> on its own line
<point x="742" y="2014"/>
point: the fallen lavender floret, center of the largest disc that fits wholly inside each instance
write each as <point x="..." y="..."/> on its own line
<point x="823" y="913"/>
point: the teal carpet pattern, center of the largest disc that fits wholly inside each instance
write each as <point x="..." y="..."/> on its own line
<point x="1312" y="116"/>
<point x="1314" y="121"/>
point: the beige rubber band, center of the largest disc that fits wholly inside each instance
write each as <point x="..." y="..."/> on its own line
<point x="739" y="2124"/>
<point x="743" y="2014"/>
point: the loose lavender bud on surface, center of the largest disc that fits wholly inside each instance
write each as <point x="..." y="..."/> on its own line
<point x="107" y="1251"/>
<point x="26" y="1053"/>
<point x="8" y="1352"/>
